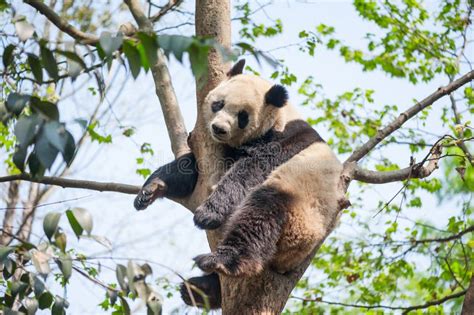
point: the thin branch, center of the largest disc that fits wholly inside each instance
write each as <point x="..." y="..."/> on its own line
<point x="409" y="113"/>
<point x="62" y="24"/>
<point x="446" y="239"/>
<point x="74" y="183"/>
<point x="164" y="88"/>
<point x="103" y="285"/>
<point x="171" y="5"/>
<point x="404" y="309"/>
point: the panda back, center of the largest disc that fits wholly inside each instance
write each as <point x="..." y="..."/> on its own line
<point x="311" y="178"/>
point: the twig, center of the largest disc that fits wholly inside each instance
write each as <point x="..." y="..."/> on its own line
<point x="171" y="5"/>
<point x="446" y="239"/>
<point x="81" y="272"/>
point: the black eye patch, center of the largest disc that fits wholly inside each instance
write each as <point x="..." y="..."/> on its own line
<point x="243" y="117"/>
<point x="217" y="106"/>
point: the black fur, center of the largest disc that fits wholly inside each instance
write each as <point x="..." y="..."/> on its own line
<point x="243" y="118"/>
<point x="276" y="96"/>
<point x="254" y="162"/>
<point x="253" y="234"/>
<point x="237" y="68"/>
<point x="207" y="284"/>
<point x="175" y="179"/>
<point x="217" y="106"/>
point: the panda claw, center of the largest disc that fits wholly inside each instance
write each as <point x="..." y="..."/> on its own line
<point x="156" y="188"/>
<point x="206" y="262"/>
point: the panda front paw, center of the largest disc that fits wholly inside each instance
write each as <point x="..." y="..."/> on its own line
<point x="228" y="264"/>
<point x="207" y="219"/>
<point x="156" y="188"/>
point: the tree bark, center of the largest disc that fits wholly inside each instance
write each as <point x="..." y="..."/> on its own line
<point x="12" y="200"/>
<point x="468" y="305"/>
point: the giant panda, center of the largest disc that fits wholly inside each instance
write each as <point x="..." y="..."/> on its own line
<point x="277" y="200"/>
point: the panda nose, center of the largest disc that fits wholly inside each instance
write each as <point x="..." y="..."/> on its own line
<point x="218" y="130"/>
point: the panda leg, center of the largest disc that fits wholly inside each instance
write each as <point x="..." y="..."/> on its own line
<point x="175" y="179"/>
<point x="207" y="286"/>
<point x="251" y="240"/>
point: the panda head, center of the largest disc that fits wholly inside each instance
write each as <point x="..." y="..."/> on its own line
<point x="243" y="107"/>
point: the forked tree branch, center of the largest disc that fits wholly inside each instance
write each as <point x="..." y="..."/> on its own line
<point x="415" y="171"/>
<point x="362" y="151"/>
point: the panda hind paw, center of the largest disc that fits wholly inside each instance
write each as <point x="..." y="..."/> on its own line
<point x="229" y="265"/>
<point x="207" y="220"/>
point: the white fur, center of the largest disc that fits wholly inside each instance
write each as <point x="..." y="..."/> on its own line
<point x="245" y="92"/>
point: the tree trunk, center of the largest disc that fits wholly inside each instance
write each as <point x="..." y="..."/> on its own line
<point x="268" y="292"/>
<point x="12" y="200"/>
<point x="468" y="305"/>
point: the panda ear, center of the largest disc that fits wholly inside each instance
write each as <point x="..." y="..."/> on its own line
<point x="276" y="96"/>
<point x="237" y="68"/>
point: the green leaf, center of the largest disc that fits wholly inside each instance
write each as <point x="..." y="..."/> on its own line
<point x="125" y="306"/>
<point x="50" y="223"/>
<point x="18" y="287"/>
<point x="31" y="305"/>
<point x="55" y="132"/>
<point x="49" y="62"/>
<point x="60" y="239"/>
<point x="4" y="252"/>
<point x="45" y="300"/>
<point x="75" y="63"/>
<point x="8" y="55"/>
<point x="110" y="43"/>
<point x="45" y="108"/>
<point x="80" y="220"/>
<point x="70" y="55"/>
<point x="121" y="273"/>
<point x="26" y="129"/>
<point x="36" y="168"/>
<point x="150" y="46"/>
<point x="37" y="285"/>
<point x="59" y="306"/>
<point x="16" y="102"/>
<point x="45" y="151"/>
<point x="19" y="157"/>
<point x="35" y="66"/>
<point x="133" y="57"/>
<point x="175" y="44"/>
<point x="65" y="265"/>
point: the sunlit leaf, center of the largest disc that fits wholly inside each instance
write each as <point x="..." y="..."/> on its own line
<point x="24" y="30"/>
<point x="50" y="223"/>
